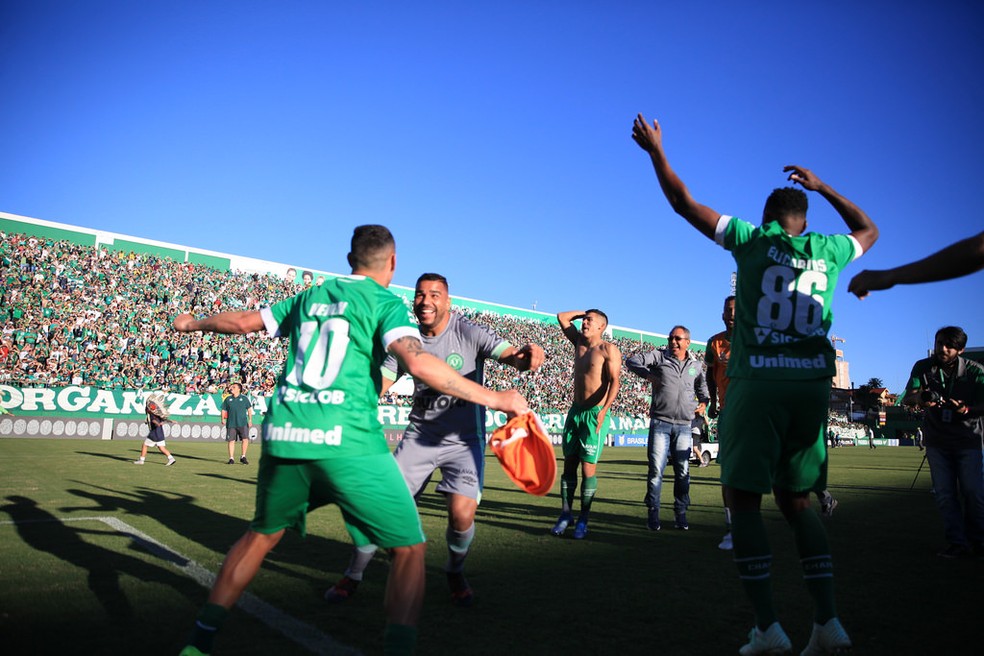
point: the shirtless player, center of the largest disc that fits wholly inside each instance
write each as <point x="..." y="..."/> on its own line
<point x="597" y="365"/>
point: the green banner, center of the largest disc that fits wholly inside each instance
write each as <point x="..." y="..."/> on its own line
<point x="90" y="402"/>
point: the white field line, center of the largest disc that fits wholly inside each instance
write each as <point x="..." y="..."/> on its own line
<point x="303" y="634"/>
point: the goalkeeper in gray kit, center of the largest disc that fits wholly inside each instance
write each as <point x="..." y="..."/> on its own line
<point x="444" y="433"/>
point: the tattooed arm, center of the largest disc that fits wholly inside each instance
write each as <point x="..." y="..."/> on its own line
<point x="439" y="376"/>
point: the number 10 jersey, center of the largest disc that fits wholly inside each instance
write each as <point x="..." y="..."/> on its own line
<point x="325" y="404"/>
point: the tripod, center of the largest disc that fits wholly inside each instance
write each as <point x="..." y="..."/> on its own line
<point x="917" y="472"/>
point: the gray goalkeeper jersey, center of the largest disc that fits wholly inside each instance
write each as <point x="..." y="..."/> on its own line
<point x="437" y="417"/>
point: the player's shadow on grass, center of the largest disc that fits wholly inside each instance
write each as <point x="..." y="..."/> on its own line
<point x="514" y="515"/>
<point x="508" y="509"/>
<point x="109" y="456"/>
<point x="45" y="532"/>
<point x="184" y="515"/>
<point x="136" y="453"/>
<point x="222" y="477"/>
<point x="623" y="463"/>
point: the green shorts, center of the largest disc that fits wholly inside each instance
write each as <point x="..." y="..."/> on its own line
<point x="773" y="435"/>
<point x="582" y="436"/>
<point x="370" y="491"/>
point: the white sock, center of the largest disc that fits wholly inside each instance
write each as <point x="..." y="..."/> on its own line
<point x="361" y="557"/>
<point x="459" y="543"/>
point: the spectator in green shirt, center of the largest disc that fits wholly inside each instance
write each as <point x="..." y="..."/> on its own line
<point x="237" y="417"/>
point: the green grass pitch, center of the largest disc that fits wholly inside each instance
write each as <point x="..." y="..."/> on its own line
<point x="100" y="556"/>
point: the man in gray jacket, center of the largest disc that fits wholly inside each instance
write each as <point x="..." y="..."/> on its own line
<point x="679" y="388"/>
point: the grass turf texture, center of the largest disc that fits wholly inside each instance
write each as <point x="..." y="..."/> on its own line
<point x="71" y="586"/>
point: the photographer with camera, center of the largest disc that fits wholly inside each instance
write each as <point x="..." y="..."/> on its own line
<point x="950" y="390"/>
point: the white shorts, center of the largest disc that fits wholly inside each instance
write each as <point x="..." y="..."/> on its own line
<point x="150" y="442"/>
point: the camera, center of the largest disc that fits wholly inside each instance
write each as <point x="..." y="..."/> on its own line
<point x="930" y="396"/>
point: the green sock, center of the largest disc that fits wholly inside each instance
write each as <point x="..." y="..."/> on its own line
<point x="818" y="569"/>
<point x="588" y="488"/>
<point x="753" y="556"/>
<point x="568" y="486"/>
<point x="207" y="624"/>
<point x="399" y="640"/>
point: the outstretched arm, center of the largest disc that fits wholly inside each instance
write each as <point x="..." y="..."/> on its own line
<point x="566" y="319"/>
<point x="650" y="139"/>
<point x="226" y="323"/>
<point x="861" y="226"/>
<point x="956" y="260"/>
<point x="442" y="378"/>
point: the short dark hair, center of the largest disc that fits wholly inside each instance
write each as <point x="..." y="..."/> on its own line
<point x="785" y="201"/>
<point x="730" y="298"/>
<point x="599" y="313"/>
<point x="952" y="336"/>
<point x="370" y="245"/>
<point x="433" y="277"/>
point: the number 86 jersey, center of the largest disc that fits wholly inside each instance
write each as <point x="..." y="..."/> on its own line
<point x="326" y="397"/>
<point x="783" y="299"/>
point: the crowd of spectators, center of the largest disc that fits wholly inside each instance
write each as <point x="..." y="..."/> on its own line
<point x="84" y="315"/>
<point x="843" y="430"/>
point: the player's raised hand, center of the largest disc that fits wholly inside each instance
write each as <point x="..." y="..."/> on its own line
<point x="803" y="176"/>
<point x="649" y="137"/>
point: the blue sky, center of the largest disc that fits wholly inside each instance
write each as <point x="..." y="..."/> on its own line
<point x="493" y="138"/>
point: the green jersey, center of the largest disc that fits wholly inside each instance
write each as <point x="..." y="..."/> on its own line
<point x="326" y="398"/>
<point x="237" y="410"/>
<point x="782" y="301"/>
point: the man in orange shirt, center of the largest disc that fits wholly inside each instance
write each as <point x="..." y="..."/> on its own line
<point x="716" y="358"/>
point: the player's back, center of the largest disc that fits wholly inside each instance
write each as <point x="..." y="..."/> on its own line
<point x="783" y="296"/>
<point x="326" y="398"/>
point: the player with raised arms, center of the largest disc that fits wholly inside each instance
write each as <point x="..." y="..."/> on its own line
<point x="780" y="372"/>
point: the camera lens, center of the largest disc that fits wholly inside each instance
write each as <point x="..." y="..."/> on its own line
<point x="930" y="396"/>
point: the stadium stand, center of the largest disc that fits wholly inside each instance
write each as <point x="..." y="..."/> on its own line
<point x="78" y="314"/>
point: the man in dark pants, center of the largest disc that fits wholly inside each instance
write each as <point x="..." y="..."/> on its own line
<point x="237" y="417"/>
<point x="951" y="391"/>
<point x="679" y="392"/>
